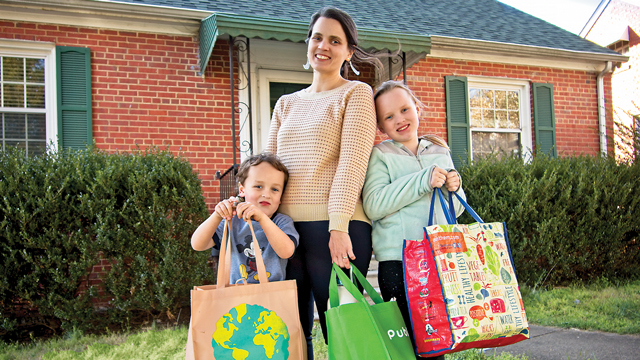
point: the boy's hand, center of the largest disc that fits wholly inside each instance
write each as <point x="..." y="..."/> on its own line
<point x="453" y="181"/>
<point x="438" y="177"/>
<point x="225" y="209"/>
<point x="247" y="211"/>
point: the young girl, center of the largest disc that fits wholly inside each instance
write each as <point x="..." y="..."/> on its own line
<point x="400" y="179"/>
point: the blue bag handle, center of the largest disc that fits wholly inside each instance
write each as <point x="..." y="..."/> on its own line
<point x="449" y="210"/>
<point x="447" y="213"/>
<point x="467" y="207"/>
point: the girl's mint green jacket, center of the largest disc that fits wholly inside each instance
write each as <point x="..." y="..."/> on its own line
<point x="397" y="194"/>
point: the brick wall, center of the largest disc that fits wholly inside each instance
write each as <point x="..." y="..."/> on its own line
<point x="147" y="91"/>
<point x="575" y="99"/>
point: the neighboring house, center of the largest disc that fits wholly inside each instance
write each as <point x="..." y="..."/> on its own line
<point x="151" y="72"/>
<point x="616" y="24"/>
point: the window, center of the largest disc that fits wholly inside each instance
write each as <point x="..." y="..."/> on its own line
<point x="22" y="98"/>
<point x="491" y="115"/>
<point x="25" y="95"/>
<point x="494" y="114"/>
<point x="45" y="96"/>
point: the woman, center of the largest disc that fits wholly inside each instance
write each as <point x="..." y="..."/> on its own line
<point x="324" y="135"/>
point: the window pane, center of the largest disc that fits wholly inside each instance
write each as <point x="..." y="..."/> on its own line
<point x="501" y="119"/>
<point x="35" y="96"/>
<point x="14" y="126"/>
<point x="499" y="144"/>
<point x="514" y="100"/>
<point x="13" y="95"/>
<point x="487" y="99"/>
<point x="488" y="119"/>
<point x="12" y="69"/>
<point x="36" y="148"/>
<point x="35" y="70"/>
<point x="18" y="144"/>
<point x="514" y="120"/>
<point x="501" y="99"/>
<point x="480" y="143"/>
<point x="36" y="127"/>
<point x="476" y="117"/>
<point x="475" y="98"/>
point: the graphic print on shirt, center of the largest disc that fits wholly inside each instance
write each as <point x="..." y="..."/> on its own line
<point x="249" y="268"/>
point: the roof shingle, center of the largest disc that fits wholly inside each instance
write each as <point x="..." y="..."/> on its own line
<point x="487" y="20"/>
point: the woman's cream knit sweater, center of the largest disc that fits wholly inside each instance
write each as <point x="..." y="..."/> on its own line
<point x="324" y="139"/>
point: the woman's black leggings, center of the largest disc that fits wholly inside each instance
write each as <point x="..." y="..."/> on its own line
<point x="391" y="282"/>
<point x="311" y="267"/>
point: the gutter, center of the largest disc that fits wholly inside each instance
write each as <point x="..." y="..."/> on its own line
<point x="439" y="42"/>
<point x="602" y="116"/>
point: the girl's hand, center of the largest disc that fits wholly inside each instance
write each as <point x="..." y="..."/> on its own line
<point x="247" y="211"/>
<point x="341" y="248"/>
<point x="438" y="177"/>
<point x="453" y="181"/>
<point x="225" y="209"/>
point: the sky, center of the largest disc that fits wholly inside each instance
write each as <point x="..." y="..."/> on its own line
<point x="570" y="15"/>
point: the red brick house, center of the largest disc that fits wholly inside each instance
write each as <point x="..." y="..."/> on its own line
<point x="153" y="72"/>
<point x="616" y="25"/>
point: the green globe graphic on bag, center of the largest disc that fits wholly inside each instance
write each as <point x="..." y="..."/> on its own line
<point x="250" y="332"/>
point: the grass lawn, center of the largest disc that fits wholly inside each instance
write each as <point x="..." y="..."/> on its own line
<point x="601" y="306"/>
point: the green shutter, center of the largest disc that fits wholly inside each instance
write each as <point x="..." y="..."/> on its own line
<point x="544" y="119"/>
<point x="458" y="134"/>
<point x="73" y="90"/>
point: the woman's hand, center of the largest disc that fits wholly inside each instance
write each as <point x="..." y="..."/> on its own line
<point x="341" y="248"/>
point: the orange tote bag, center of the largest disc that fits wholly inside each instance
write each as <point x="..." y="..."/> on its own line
<point x="245" y="321"/>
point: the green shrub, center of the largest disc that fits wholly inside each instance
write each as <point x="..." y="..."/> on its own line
<point x="63" y="212"/>
<point x="568" y="219"/>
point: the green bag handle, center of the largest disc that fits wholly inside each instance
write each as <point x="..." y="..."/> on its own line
<point x="350" y="286"/>
<point x="377" y="299"/>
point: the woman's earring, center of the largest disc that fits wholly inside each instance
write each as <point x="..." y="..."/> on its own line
<point x="353" y="68"/>
<point x="307" y="65"/>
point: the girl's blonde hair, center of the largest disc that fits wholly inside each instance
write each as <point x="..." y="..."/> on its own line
<point x="389" y="85"/>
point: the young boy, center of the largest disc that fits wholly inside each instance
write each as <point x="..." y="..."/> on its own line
<point x="261" y="181"/>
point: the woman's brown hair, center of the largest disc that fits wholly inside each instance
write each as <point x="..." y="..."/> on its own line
<point x="350" y="30"/>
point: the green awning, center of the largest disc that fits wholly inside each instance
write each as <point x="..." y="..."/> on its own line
<point x="295" y="31"/>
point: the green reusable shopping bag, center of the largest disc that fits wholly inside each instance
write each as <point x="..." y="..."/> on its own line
<point x="363" y="331"/>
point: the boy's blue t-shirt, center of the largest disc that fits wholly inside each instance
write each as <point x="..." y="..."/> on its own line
<point x="243" y="261"/>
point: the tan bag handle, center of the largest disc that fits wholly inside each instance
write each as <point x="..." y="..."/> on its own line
<point x="224" y="264"/>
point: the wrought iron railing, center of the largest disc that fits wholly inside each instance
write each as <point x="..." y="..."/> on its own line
<point x="228" y="182"/>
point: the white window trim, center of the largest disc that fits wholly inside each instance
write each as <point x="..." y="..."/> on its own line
<point x="526" y="133"/>
<point x="21" y="48"/>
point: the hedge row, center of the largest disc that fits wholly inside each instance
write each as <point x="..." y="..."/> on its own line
<point x="568" y="219"/>
<point x="62" y="213"/>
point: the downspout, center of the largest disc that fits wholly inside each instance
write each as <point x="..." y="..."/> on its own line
<point x="602" y="115"/>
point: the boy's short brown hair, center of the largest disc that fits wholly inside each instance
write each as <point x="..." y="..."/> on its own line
<point x="253" y="160"/>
